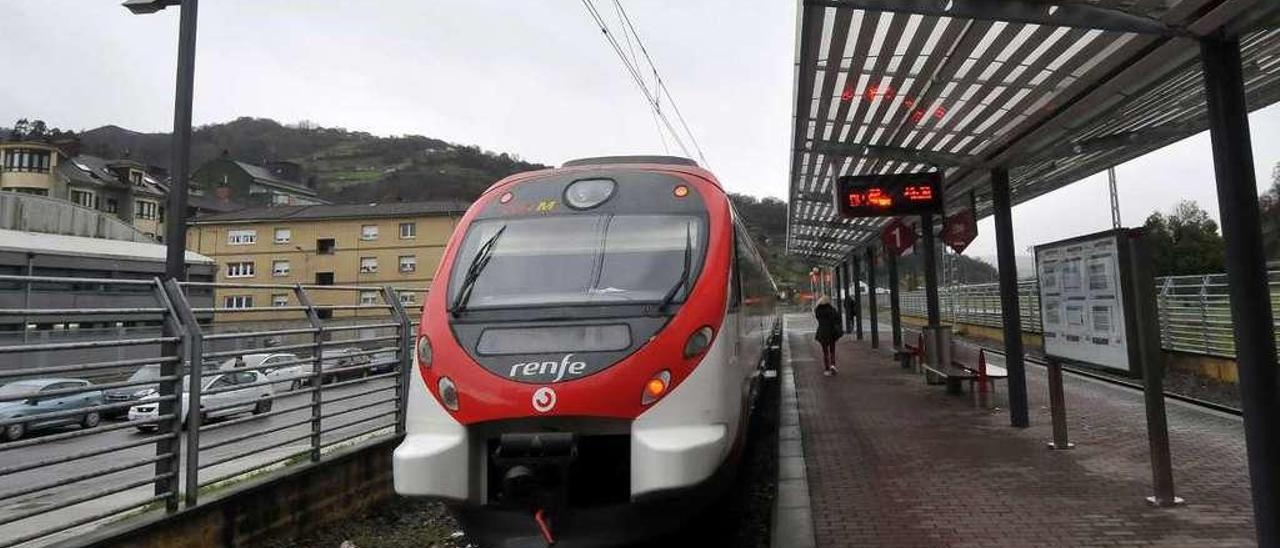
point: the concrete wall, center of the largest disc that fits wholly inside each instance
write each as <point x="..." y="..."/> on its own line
<point x="281" y="507"/>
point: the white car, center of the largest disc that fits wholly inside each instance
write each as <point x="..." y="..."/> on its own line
<point x="232" y="401"/>
<point x="279" y="367"/>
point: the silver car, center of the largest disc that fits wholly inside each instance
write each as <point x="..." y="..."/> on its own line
<point x="235" y="393"/>
<point x="279" y="367"/>
<point x="27" y="402"/>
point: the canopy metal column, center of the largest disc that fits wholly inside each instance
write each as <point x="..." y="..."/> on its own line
<point x="895" y="316"/>
<point x="836" y="299"/>
<point x="873" y="326"/>
<point x="857" y="296"/>
<point x="1009" y="310"/>
<point x="930" y="271"/>
<point x="1246" y="277"/>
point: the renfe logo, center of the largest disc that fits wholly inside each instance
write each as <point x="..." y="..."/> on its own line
<point x="557" y="369"/>
<point x="544" y="399"/>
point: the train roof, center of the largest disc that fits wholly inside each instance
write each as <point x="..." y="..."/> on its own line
<point x="616" y="160"/>
<point x="80" y="246"/>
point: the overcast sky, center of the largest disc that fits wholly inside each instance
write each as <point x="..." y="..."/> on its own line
<point x="535" y="79"/>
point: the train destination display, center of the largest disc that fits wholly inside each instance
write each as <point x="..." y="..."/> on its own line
<point x="889" y="195"/>
<point x="1082" y="300"/>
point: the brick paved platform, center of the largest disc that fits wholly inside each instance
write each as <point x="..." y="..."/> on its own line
<point x="891" y="461"/>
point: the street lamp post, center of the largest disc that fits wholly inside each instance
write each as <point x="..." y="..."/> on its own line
<point x="175" y="231"/>
<point x="168" y="449"/>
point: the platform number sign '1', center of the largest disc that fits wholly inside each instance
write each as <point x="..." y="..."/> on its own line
<point x="889" y="195"/>
<point x="898" y="237"/>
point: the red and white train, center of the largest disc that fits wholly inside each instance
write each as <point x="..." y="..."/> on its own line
<point x="589" y="355"/>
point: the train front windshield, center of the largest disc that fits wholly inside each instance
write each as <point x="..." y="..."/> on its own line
<point x="577" y="260"/>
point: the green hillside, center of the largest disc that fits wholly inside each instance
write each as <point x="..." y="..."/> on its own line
<point x="348" y="166"/>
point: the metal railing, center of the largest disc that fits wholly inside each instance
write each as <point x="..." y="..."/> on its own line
<point x="204" y="403"/>
<point x="1195" y="311"/>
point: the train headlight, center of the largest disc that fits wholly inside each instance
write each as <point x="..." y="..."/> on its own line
<point x="656" y="387"/>
<point x="424" y="351"/>
<point x="448" y="393"/>
<point x="588" y="193"/>
<point x="698" y="342"/>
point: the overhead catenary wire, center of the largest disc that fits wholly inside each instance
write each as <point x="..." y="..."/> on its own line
<point x="662" y="86"/>
<point x="623" y="23"/>
<point x="630" y="66"/>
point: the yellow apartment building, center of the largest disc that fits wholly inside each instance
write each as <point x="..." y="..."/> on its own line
<point x="375" y="245"/>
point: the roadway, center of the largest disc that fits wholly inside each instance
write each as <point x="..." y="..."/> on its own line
<point x="252" y="450"/>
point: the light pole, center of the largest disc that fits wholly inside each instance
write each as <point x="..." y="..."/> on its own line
<point x="175" y="231"/>
<point x="175" y="269"/>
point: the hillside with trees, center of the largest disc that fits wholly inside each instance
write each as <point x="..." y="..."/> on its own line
<point x="348" y="166"/>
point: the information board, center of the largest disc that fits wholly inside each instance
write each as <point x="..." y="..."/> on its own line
<point x="889" y="195"/>
<point x="1083" y="306"/>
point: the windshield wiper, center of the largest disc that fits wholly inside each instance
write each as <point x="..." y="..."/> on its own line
<point x="684" y="274"/>
<point x="477" y="265"/>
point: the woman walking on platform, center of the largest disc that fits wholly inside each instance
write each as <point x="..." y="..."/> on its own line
<point x="829" y="331"/>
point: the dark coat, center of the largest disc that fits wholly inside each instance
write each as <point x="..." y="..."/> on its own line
<point x="829" y="329"/>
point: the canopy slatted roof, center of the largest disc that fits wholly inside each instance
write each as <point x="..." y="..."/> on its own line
<point x="1054" y="91"/>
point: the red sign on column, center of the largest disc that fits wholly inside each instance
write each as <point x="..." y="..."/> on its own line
<point x="898" y="237"/>
<point x="960" y="230"/>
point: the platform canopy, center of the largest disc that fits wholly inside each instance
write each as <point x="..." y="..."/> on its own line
<point x="1052" y="91"/>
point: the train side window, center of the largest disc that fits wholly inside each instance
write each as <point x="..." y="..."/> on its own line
<point x="740" y="260"/>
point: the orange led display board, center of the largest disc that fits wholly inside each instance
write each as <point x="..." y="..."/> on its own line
<point x="889" y="195"/>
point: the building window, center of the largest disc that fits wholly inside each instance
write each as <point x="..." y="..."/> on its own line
<point x="84" y="198"/>
<point x="21" y="159"/>
<point x="279" y="299"/>
<point x="368" y="265"/>
<point x="113" y="206"/>
<point x="408" y="230"/>
<point x="240" y="270"/>
<point x="32" y="191"/>
<point x="280" y="199"/>
<point x="408" y="263"/>
<point x="279" y="268"/>
<point x="146" y="209"/>
<point x="370" y="297"/>
<point x="161" y="215"/>
<point x="135" y="177"/>
<point x="369" y="232"/>
<point x="325" y="246"/>
<point x="408" y="298"/>
<point x="237" y="301"/>
<point x="284" y="235"/>
<point x="242" y="237"/>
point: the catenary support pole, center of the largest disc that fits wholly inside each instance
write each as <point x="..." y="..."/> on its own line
<point x="873" y="326"/>
<point x="857" y="296"/>
<point x="1009" y="311"/>
<point x="1251" y="314"/>
<point x="895" y="312"/>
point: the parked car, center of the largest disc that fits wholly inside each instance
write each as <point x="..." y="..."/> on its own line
<point x="34" y="405"/>
<point x="132" y="393"/>
<point x="279" y="368"/>
<point x="339" y="358"/>
<point x="255" y="399"/>
<point x="384" y="362"/>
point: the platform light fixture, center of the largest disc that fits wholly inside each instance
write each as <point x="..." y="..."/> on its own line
<point x="143" y="7"/>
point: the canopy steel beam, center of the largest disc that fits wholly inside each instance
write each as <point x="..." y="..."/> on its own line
<point x="1082" y="16"/>
<point x="834" y="225"/>
<point x="941" y="159"/>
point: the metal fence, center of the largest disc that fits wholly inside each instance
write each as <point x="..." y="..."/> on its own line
<point x="1195" y="311"/>
<point x="199" y="404"/>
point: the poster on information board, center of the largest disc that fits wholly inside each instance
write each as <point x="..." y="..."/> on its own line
<point x="1084" y="307"/>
